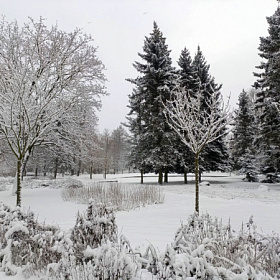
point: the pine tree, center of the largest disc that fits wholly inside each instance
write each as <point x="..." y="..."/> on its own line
<point x="243" y="149"/>
<point x="268" y="97"/>
<point x="215" y="155"/>
<point x="152" y="135"/>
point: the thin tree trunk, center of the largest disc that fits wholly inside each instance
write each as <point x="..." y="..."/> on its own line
<point x="160" y="176"/>
<point x="45" y="169"/>
<point x="90" y="173"/>
<point x="197" y="183"/>
<point x="166" y="175"/>
<point x="19" y="170"/>
<point x="36" y="171"/>
<point x="199" y="176"/>
<point x="55" y="168"/>
<point x="79" y="168"/>
<point x="142" y="176"/>
<point x="185" y="176"/>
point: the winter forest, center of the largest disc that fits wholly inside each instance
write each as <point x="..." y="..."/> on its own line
<point x="181" y="139"/>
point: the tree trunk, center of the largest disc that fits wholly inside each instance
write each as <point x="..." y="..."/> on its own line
<point x="197" y="183"/>
<point x="45" y="169"/>
<point x="55" y="168"/>
<point x="166" y="175"/>
<point x="142" y="176"/>
<point x="90" y="172"/>
<point x="79" y="168"/>
<point x="23" y="165"/>
<point x="185" y="176"/>
<point x="199" y="176"/>
<point x="19" y="170"/>
<point x="36" y="171"/>
<point x="160" y="176"/>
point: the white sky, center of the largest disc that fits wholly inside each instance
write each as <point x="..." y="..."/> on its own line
<point x="227" y="31"/>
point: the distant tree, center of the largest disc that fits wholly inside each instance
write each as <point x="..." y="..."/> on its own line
<point x="268" y="98"/>
<point x="197" y="123"/>
<point x="120" y="149"/>
<point x="243" y="138"/>
<point x="106" y="151"/>
<point x="152" y="135"/>
<point x="43" y="74"/>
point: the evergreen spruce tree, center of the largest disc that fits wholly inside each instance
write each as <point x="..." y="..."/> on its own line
<point x="152" y="135"/>
<point x="268" y="98"/>
<point x="215" y="155"/>
<point x="186" y="80"/>
<point x="243" y="149"/>
<point x="138" y="152"/>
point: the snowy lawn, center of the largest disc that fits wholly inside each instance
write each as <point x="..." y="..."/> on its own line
<point x="227" y="197"/>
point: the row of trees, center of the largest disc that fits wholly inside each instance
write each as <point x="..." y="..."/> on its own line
<point x="156" y="145"/>
<point x="255" y="143"/>
<point x="101" y="153"/>
<point x="51" y="82"/>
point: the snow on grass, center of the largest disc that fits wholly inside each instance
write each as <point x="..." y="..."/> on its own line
<point x="228" y="198"/>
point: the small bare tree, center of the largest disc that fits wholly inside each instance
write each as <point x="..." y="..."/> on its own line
<point x="198" y="121"/>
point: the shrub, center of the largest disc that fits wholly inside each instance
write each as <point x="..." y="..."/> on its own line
<point x="121" y="197"/>
<point x="93" y="229"/>
<point x="25" y="242"/>
<point x="206" y="249"/>
<point x="202" y="249"/>
<point x="6" y="183"/>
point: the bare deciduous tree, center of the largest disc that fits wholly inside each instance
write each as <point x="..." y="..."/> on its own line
<point x="43" y="74"/>
<point x="197" y="121"/>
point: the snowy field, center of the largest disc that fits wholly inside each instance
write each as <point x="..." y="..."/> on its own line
<point x="227" y="197"/>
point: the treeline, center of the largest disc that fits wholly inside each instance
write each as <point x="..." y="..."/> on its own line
<point x="90" y="152"/>
<point x="255" y="143"/>
<point x="252" y="146"/>
<point x="156" y="146"/>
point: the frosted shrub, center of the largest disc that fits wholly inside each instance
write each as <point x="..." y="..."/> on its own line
<point x="6" y="183"/>
<point x="107" y="261"/>
<point x="206" y="249"/>
<point x="121" y="197"/>
<point x="24" y="242"/>
<point x="203" y="248"/>
<point x="42" y="182"/>
<point x="90" y="230"/>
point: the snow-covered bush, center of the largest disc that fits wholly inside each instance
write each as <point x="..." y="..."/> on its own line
<point x="24" y="242"/>
<point x="93" y="229"/>
<point x="6" y="183"/>
<point x="206" y="249"/>
<point x="42" y="182"/>
<point x="203" y="248"/>
<point x="122" y="197"/>
<point x="90" y="251"/>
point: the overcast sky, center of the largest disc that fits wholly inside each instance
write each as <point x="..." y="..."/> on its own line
<point x="227" y="31"/>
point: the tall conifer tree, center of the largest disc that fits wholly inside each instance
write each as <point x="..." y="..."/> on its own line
<point x="243" y="148"/>
<point x="186" y="80"/>
<point x="268" y="97"/>
<point x="215" y="155"/>
<point x="153" y="137"/>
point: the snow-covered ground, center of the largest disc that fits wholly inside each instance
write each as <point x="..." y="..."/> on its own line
<point x="227" y="197"/>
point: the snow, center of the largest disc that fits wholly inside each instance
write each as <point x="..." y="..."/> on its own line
<point x="227" y="197"/>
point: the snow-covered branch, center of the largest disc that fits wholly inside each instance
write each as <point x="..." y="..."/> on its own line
<point x="197" y="120"/>
<point x="44" y="75"/>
